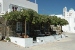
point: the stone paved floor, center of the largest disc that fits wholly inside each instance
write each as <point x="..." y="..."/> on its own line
<point x="65" y="44"/>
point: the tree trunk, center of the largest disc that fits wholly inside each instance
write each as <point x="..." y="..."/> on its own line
<point x="21" y="33"/>
<point x="8" y="31"/>
<point x="61" y="29"/>
<point x="21" y="28"/>
<point x="5" y="28"/>
<point x="25" y="27"/>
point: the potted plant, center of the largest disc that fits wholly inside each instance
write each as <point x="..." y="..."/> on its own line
<point x="7" y="39"/>
<point x="26" y="36"/>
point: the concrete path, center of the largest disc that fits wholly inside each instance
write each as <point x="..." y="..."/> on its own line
<point x="65" y="44"/>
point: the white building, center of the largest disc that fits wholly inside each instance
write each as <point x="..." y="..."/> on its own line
<point x="11" y="5"/>
<point x="70" y="17"/>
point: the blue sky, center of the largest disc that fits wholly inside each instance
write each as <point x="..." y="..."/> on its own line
<point x="54" y="6"/>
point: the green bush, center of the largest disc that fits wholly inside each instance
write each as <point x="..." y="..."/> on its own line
<point x="8" y="38"/>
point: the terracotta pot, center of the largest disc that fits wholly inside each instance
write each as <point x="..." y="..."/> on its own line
<point x="26" y="36"/>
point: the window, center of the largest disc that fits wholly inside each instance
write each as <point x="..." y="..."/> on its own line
<point x="14" y="8"/>
<point x="70" y="14"/>
<point x="19" y="26"/>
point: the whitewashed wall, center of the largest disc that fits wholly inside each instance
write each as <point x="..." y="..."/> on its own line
<point x="70" y="27"/>
<point x="49" y="38"/>
<point x="24" y="3"/>
<point x="24" y="42"/>
<point x="27" y="42"/>
<point x="1" y="2"/>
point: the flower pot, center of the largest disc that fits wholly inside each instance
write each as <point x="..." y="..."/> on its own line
<point x="7" y="40"/>
<point x="26" y="36"/>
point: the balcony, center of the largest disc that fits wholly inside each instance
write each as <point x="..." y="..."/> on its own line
<point x="20" y="3"/>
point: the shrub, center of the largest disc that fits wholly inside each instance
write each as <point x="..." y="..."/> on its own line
<point x="8" y="38"/>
